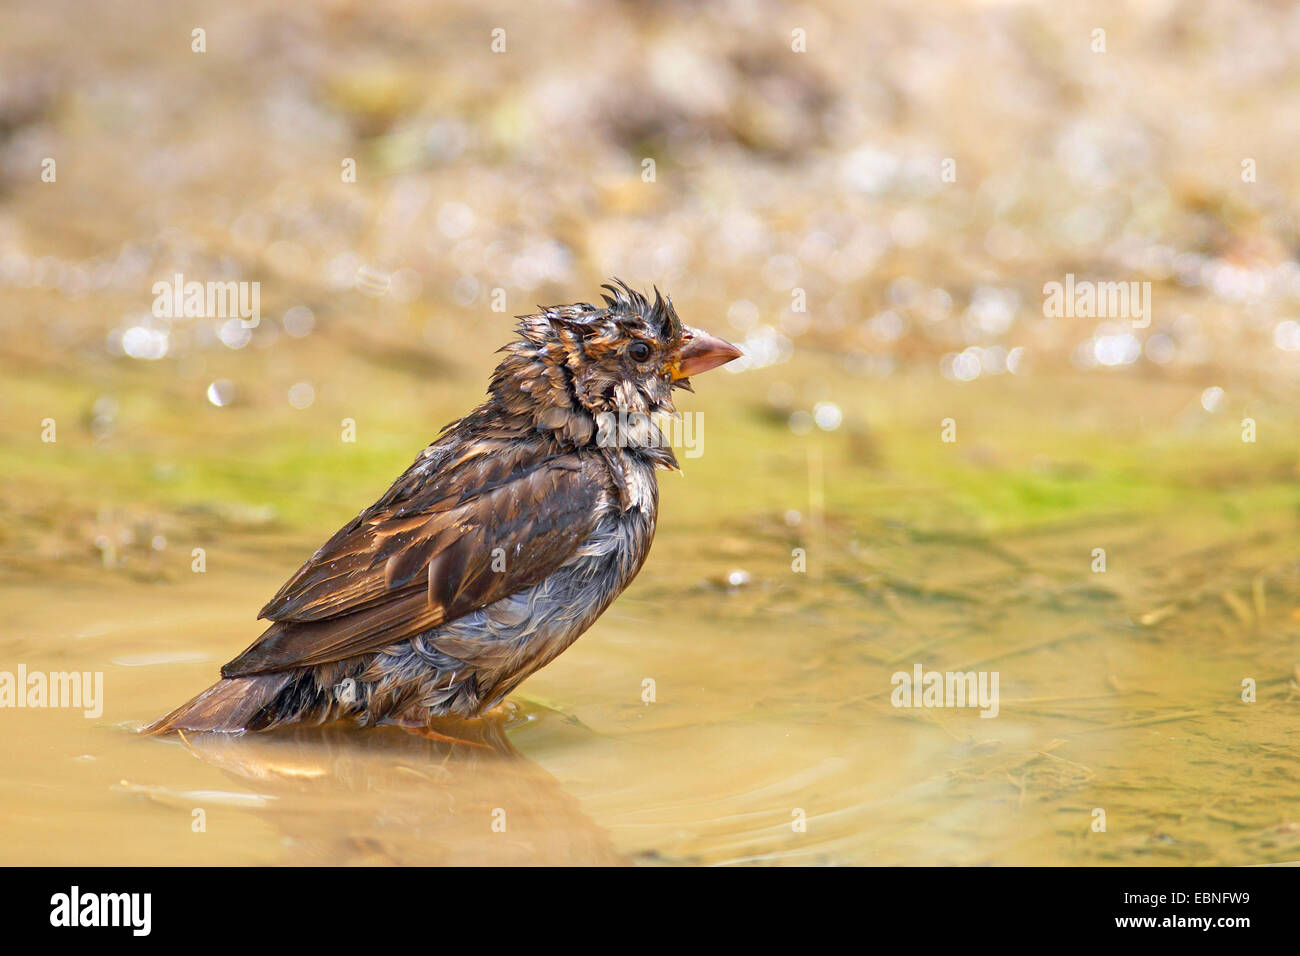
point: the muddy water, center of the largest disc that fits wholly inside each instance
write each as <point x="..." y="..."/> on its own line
<point x="732" y="710"/>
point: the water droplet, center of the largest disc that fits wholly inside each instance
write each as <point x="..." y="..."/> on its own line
<point x="234" y="334"/>
<point x="373" y="282"/>
<point x="299" y="321"/>
<point x="144" y="343"/>
<point x="221" y="392"/>
<point x="827" y="415"/>
<point x="302" y="395"/>
<point x="801" y="423"/>
<point x="737" y="578"/>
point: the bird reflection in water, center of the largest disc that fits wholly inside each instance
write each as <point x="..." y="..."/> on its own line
<point x="389" y="796"/>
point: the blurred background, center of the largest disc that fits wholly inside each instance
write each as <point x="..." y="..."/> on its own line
<point x="869" y="199"/>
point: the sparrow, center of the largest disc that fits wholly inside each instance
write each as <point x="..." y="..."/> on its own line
<point x="500" y="545"/>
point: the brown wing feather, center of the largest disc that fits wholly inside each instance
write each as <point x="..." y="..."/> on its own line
<point x="339" y="577"/>
<point x="415" y="561"/>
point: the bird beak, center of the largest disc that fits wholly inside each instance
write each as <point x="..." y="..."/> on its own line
<point x="701" y="353"/>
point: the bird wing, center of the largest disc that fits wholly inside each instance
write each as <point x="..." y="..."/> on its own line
<point x="427" y="553"/>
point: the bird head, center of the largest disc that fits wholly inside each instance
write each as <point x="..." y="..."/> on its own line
<point x="574" y="366"/>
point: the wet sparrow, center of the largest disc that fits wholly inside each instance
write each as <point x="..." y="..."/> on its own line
<point x="496" y="549"/>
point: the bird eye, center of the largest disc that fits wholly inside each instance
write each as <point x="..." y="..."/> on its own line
<point x="639" y="351"/>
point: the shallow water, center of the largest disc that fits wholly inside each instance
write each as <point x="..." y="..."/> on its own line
<point x="771" y="737"/>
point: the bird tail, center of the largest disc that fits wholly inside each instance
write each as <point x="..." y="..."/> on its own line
<point x="230" y="705"/>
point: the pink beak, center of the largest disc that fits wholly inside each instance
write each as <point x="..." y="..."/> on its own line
<point x="701" y="353"/>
